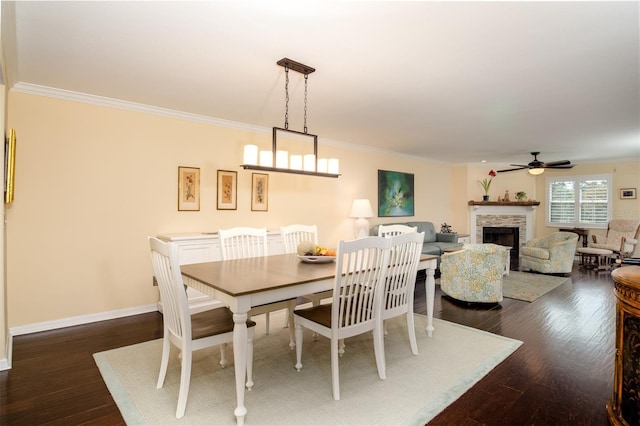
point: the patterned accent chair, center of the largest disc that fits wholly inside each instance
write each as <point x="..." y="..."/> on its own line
<point x="474" y="274"/>
<point x="622" y="237"/>
<point x="551" y="254"/>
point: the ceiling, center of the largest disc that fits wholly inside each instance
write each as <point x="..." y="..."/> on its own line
<point x="457" y="82"/>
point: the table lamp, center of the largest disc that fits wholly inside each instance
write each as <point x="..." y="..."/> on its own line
<point x="361" y="209"/>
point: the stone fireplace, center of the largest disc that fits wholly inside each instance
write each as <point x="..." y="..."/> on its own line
<point x="517" y="216"/>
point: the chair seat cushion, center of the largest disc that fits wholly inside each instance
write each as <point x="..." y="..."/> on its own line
<point x="537" y="252"/>
<point x="320" y="314"/>
<point x="213" y="322"/>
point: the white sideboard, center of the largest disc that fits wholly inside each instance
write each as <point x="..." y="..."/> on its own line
<point x="205" y="247"/>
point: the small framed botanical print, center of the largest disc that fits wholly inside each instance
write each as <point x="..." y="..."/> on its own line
<point x="227" y="190"/>
<point x="259" y="192"/>
<point x="188" y="188"/>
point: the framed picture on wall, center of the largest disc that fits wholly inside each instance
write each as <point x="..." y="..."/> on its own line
<point x="188" y="188"/>
<point x="395" y="194"/>
<point x="627" y="193"/>
<point x="259" y="192"/>
<point x="227" y="190"/>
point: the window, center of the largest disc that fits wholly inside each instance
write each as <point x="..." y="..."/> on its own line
<point x="579" y="201"/>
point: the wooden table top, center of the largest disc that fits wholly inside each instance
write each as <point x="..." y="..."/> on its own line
<point x="247" y="276"/>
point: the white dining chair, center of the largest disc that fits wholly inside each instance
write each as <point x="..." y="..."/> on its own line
<point x="293" y="235"/>
<point x="189" y="332"/>
<point x="393" y="230"/>
<point x="361" y="268"/>
<point x="401" y="281"/>
<point x="246" y="242"/>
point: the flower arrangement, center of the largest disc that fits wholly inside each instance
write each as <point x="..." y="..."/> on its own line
<point x="486" y="183"/>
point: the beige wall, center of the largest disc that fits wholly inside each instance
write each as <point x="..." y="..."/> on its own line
<point x="93" y="182"/>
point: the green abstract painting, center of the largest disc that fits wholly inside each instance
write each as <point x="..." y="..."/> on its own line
<point x="395" y="194"/>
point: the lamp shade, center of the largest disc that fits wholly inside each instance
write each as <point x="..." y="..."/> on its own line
<point x="361" y="208"/>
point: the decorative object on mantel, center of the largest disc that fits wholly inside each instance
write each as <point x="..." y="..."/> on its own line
<point x="504" y="203"/>
<point x="506" y="197"/>
<point x="486" y="184"/>
<point x="278" y="160"/>
<point x="521" y="196"/>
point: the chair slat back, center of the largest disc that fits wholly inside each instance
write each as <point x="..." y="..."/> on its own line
<point x="361" y="268"/>
<point x="403" y="267"/>
<point x="242" y="242"/>
<point x="175" y="305"/>
<point x="293" y="235"/>
<point x="393" y="230"/>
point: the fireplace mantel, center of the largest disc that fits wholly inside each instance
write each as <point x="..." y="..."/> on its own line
<point x="489" y="213"/>
<point x="507" y="203"/>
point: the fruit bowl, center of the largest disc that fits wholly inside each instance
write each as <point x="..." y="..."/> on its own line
<point x="317" y="259"/>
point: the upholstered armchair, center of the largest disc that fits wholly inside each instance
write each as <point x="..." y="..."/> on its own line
<point x="551" y="254"/>
<point x="621" y="238"/>
<point x="474" y="273"/>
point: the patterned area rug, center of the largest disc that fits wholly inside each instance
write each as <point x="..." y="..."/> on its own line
<point x="529" y="286"/>
<point x="417" y="388"/>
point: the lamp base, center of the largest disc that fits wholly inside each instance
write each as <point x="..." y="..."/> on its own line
<point x="361" y="228"/>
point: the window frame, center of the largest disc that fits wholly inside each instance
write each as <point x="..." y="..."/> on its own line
<point x="577" y="179"/>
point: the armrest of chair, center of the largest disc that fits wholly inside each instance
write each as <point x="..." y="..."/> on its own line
<point x="446" y="237"/>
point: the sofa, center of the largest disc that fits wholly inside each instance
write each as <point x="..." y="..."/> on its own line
<point x="434" y="242"/>
<point x="551" y="254"/>
<point x="474" y="274"/>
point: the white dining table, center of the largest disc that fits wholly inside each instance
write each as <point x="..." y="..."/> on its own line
<point x="244" y="283"/>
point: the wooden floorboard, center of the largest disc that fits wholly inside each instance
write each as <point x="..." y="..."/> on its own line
<point x="561" y="375"/>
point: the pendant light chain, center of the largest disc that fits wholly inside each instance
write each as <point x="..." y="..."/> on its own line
<point x="286" y="98"/>
<point x="306" y="79"/>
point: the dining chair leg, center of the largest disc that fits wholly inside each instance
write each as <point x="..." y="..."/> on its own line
<point x="166" y="349"/>
<point x="299" y="336"/>
<point x="412" y="333"/>
<point x="341" y="347"/>
<point x="378" y="348"/>
<point x="185" y="379"/>
<point x="290" y="320"/>
<point x="335" y="372"/>
<point x="223" y="355"/>
<point x="266" y="318"/>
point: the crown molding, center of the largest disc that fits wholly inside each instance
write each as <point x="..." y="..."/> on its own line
<point x="68" y="95"/>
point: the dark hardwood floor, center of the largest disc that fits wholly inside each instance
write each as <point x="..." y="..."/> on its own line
<point x="561" y="375"/>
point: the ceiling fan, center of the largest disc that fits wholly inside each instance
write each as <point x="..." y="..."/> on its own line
<point x="536" y="167"/>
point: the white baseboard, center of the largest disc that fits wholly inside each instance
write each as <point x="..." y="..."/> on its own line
<point x="5" y="363"/>
<point x="82" y="319"/>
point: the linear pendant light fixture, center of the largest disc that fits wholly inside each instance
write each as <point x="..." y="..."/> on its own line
<point x="278" y="160"/>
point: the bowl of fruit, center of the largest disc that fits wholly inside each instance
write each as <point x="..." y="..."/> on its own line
<point x="309" y="252"/>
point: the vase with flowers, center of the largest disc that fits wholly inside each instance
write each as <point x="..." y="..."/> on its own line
<point x="486" y="184"/>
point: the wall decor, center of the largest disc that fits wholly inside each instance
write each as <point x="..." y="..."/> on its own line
<point x="9" y="166"/>
<point x="227" y="190"/>
<point x="627" y="193"/>
<point x="188" y="188"/>
<point x="395" y="194"/>
<point x="259" y="192"/>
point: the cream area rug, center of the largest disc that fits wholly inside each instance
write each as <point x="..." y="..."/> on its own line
<point x="529" y="286"/>
<point x="417" y="388"/>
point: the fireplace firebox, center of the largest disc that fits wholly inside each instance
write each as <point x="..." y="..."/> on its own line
<point x="504" y="236"/>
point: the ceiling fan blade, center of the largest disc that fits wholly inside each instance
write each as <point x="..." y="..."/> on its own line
<point x="565" y="166"/>
<point x="524" y="166"/>
<point x="511" y="170"/>
<point x="557" y="163"/>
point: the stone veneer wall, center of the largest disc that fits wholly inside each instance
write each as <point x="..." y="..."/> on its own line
<point x="519" y="221"/>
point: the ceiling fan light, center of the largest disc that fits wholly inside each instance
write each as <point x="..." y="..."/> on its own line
<point x="536" y="172"/>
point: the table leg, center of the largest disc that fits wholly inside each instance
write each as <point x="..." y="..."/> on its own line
<point x="430" y="290"/>
<point x="240" y="361"/>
